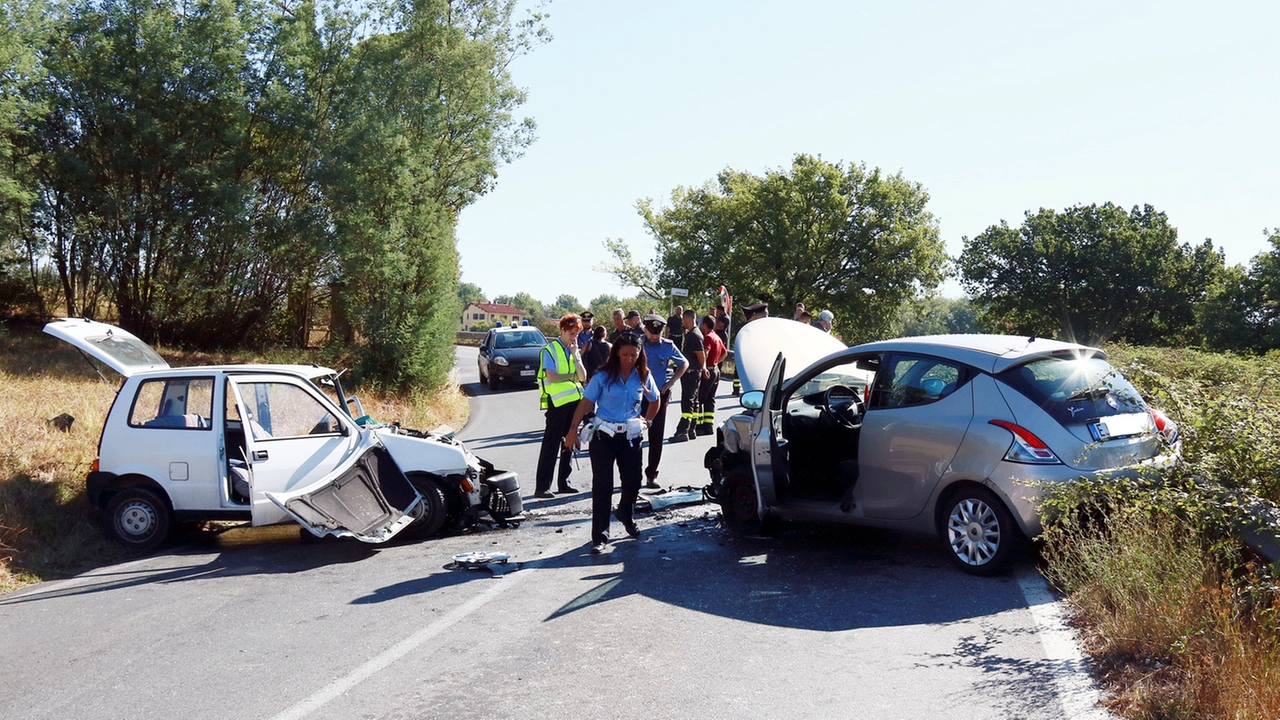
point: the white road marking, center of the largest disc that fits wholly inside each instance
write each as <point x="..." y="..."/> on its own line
<point x="1072" y="682"/>
<point x="380" y="662"/>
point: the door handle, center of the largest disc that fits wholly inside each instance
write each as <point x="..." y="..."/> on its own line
<point x="259" y="454"/>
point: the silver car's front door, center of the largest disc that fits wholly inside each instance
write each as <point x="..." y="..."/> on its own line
<point x="766" y="432"/>
<point x="919" y="413"/>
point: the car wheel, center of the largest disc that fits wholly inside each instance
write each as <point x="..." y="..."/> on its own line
<point x="434" y="508"/>
<point x="738" y="503"/>
<point x="493" y="381"/>
<point x="979" y="531"/>
<point x="480" y="370"/>
<point x="138" y="519"/>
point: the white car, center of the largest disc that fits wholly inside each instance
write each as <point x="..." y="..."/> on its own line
<point x="268" y="444"/>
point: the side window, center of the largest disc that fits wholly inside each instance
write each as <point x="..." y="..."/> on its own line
<point x="905" y="381"/>
<point x="282" y="410"/>
<point x="181" y="403"/>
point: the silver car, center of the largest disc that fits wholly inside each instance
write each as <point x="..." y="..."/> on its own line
<point x="950" y="434"/>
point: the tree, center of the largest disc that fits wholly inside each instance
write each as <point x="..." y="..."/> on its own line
<point x="851" y="240"/>
<point x="934" y="315"/>
<point x="470" y="293"/>
<point x="526" y="303"/>
<point x="1088" y="273"/>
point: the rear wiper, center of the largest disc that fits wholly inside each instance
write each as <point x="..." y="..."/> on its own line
<point x="1090" y="394"/>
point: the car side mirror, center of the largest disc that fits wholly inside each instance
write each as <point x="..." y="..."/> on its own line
<point x="752" y="399"/>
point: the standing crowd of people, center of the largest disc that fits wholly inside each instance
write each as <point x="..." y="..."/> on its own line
<point x="610" y="388"/>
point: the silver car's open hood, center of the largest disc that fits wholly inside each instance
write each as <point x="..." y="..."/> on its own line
<point x="759" y="342"/>
<point x="117" y="349"/>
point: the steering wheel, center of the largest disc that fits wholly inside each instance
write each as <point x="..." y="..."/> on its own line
<point x="844" y="405"/>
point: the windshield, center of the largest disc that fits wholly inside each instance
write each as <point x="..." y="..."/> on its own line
<point x="524" y="338"/>
<point x="128" y="351"/>
<point x="1075" y="390"/>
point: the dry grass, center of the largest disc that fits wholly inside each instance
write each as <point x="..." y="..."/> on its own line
<point x="46" y="528"/>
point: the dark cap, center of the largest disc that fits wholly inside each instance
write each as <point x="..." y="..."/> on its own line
<point x="654" y="323"/>
<point x="586" y="315"/>
<point x="633" y="314"/>
<point x="758" y="308"/>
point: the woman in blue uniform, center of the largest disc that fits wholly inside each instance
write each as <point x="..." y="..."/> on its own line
<point x="615" y="393"/>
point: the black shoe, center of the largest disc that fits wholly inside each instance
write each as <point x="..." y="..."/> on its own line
<point x="544" y="494"/>
<point x="652" y="485"/>
<point x="567" y="489"/>
<point x="693" y="433"/>
<point x="706" y="430"/>
<point x="597" y="548"/>
<point x="630" y="525"/>
<point x="679" y="437"/>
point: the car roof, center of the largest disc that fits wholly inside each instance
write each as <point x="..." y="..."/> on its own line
<point x="992" y="353"/>
<point x="306" y="371"/>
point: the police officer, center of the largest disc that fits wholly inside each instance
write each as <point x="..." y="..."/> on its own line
<point x="692" y="349"/>
<point x="660" y="354"/>
<point x="560" y="377"/>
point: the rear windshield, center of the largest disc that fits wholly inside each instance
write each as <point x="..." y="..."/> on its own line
<point x="1075" y="390"/>
<point x="524" y="338"/>
<point x="130" y="352"/>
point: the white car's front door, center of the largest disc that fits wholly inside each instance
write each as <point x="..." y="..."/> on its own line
<point x="294" y="437"/>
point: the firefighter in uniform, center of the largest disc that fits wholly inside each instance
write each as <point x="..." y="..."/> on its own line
<point x="716" y="352"/>
<point x="692" y="349"/>
<point x="560" y="377"/>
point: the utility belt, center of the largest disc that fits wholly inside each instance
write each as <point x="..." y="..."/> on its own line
<point x="632" y="428"/>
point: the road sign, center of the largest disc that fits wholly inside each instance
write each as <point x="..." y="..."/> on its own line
<point x="679" y="292"/>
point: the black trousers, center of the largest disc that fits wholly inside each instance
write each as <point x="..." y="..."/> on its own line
<point x="656" y="429"/>
<point x="690" y="411"/>
<point x="558" y="419"/>
<point x="707" y="397"/>
<point x="606" y="452"/>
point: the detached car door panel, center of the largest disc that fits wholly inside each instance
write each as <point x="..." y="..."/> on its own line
<point x="768" y="448"/>
<point x="367" y="498"/>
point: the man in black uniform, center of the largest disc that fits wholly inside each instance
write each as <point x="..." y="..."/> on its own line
<point x="749" y="312"/>
<point x="690" y="409"/>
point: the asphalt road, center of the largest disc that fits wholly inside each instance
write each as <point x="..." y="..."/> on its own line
<point x="688" y="621"/>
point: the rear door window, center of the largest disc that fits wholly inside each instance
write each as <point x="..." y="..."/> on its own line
<point x="1075" y="390"/>
<point x="907" y="380"/>
<point x="175" y="403"/>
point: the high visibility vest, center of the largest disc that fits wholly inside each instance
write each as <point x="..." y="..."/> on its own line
<point x="559" y="393"/>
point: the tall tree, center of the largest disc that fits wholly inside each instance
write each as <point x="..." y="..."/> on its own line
<point x="1088" y="273"/>
<point x="848" y="239"/>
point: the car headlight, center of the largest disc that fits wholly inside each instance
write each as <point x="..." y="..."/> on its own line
<point x="501" y="361"/>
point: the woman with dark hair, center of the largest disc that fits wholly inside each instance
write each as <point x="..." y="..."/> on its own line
<point x="614" y="392"/>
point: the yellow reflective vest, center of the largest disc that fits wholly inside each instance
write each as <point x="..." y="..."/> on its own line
<point x="559" y="393"/>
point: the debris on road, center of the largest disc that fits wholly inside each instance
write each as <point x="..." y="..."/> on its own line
<point x="494" y="562"/>
<point x="671" y="498"/>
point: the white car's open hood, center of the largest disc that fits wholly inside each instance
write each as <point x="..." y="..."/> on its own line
<point x="759" y="342"/>
<point x="117" y="349"/>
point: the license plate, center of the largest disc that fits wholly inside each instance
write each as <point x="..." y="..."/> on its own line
<point x="1117" y="426"/>
<point x="528" y="373"/>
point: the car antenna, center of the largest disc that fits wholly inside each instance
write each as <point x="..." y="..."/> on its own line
<point x="1031" y="339"/>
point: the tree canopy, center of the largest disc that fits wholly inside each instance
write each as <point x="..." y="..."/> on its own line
<point x="1089" y="273"/>
<point x="227" y="173"/>
<point x="848" y="239"/>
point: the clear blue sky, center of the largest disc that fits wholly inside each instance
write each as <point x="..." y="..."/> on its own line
<point x="995" y="107"/>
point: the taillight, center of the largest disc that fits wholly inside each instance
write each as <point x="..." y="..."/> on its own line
<point x="1026" y="447"/>
<point x="94" y="467"/>
<point x="1165" y="426"/>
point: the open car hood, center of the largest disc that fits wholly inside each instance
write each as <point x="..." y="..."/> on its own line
<point x="117" y="349"/>
<point x="759" y="342"/>
<point x="367" y="498"/>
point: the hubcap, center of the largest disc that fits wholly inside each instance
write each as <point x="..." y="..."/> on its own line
<point x="137" y="518"/>
<point x="973" y="531"/>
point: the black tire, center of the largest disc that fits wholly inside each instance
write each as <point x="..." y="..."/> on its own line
<point x="738" y="505"/>
<point x="138" y="518"/>
<point x="480" y="370"/>
<point x="493" y="381"/>
<point x="434" y="507"/>
<point x="978" y="531"/>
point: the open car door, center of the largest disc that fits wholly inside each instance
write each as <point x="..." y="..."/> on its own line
<point x="769" y="448"/>
<point x="307" y="460"/>
<point x="367" y="498"/>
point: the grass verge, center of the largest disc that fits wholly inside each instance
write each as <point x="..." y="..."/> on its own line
<point x="46" y="528"/>
<point x="1181" y="620"/>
